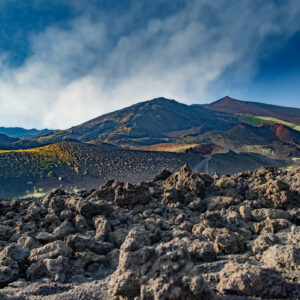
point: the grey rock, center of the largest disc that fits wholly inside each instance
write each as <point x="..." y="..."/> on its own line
<point x="45" y="237"/>
<point x="81" y="224"/>
<point x="64" y="230"/>
<point x="88" y="257"/>
<point x="162" y="273"/>
<point x="5" y="232"/>
<point x="253" y="281"/>
<point x="51" y="250"/>
<point x="118" y="236"/>
<point x="9" y="271"/>
<point x="203" y="251"/>
<point x="263" y="242"/>
<point x="15" y="252"/>
<point x="102" y="227"/>
<point x="88" y="209"/>
<point x="282" y="257"/>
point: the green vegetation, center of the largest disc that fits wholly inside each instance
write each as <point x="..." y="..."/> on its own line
<point x="257" y="120"/>
<point x="77" y="163"/>
<point x="37" y="162"/>
<point x="168" y="147"/>
<point x="264" y="150"/>
<point x="296" y="159"/>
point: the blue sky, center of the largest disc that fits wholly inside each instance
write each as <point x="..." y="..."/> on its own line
<point x="64" y="62"/>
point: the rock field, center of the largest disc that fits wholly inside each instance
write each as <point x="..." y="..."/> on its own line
<point x="181" y="236"/>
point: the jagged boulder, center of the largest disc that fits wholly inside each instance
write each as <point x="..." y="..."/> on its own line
<point x="201" y="250"/>
<point x="51" y="250"/>
<point x="9" y="271"/>
<point x="253" y="281"/>
<point x="15" y="252"/>
<point x="285" y="257"/>
<point x="45" y="237"/>
<point x="5" y="232"/>
<point x="132" y="194"/>
<point x="186" y="180"/>
<point x="87" y="257"/>
<point x="163" y="175"/>
<point x="102" y="227"/>
<point x="54" y="201"/>
<point x="224" y="240"/>
<point x="164" y="272"/>
<point x="81" y="224"/>
<point x="79" y="243"/>
<point x="263" y="242"/>
<point x="89" y="209"/>
<point x="271" y="226"/>
<point x="64" y="229"/>
<point x="56" y="269"/>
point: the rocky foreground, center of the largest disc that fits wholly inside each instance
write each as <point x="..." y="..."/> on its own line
<point x="181" y="236"/>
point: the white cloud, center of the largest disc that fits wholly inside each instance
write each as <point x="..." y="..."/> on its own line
<point x="95" y="66"/>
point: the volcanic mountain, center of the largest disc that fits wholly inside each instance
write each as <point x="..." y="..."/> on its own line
<point x="233" y="106"/>
<point x="166" y="121"/>
<point x="149" y="122"/>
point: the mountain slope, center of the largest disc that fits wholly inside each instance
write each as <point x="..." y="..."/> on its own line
<point x="263" y="134"/>
<point x="72" y="165"/>
<point x="6" y="141"/>
<point x="149" y="122"/>
<point x="274" y="140"/>
<point x="234" y="106"/>
<point x="231" y="162"/>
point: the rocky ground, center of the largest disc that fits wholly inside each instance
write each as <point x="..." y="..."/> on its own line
<point x="181" y="236"/>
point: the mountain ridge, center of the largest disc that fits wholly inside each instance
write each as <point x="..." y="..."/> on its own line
<point x="234" y="106"/>
<point x="146" y="122"/>
<point x="19" y="132"/>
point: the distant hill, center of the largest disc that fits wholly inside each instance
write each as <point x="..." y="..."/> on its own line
<point x="233" y="106"/>
<point x="70" y="164"/>
<point x="6" y="141"/>
<point x="231" y="162"/>
<point x="150" y="122"/>
<point x="268" y="139"/>
<point x="18" y="132"/>
<point x="9" y="143"/>
<point x="263" y="134"/>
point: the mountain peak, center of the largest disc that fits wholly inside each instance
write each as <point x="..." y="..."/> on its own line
<point x="161" y="100"/>
<point x="234" y="106"/>
<point x="226" y="99"/>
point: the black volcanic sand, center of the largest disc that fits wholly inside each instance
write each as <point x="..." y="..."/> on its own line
<point x="75" y="165"/>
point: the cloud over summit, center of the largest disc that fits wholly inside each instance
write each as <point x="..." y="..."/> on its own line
<point x="104" y="58"/>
